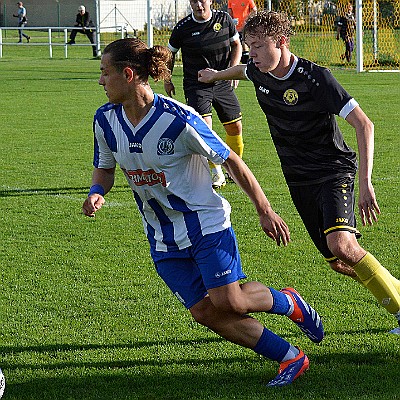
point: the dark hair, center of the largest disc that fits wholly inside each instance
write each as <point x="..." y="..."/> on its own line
<point x="268" y="23"/>
<point x="134" y="53"/>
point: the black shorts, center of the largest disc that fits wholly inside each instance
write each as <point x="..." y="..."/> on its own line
<point x="324" y="208"/>
<point x="220" y="96"/>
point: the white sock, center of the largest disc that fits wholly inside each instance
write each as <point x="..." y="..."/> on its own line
<point x="292" y="353"/>
<point x="217" y="170"/>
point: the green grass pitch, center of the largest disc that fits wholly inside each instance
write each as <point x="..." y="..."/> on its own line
<point x="83" y="314"/>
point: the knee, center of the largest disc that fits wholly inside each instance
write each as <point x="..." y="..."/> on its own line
<point x="204" y="313"/>
<point x="208" y="313"/>
<point x="345" y="247"/>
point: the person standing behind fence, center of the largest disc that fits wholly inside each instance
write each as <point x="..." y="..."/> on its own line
<point x="346" y="28"/>
<point x="239" y="10"/>
<point x="83" y="20"/>
<point x="22" y="20"/>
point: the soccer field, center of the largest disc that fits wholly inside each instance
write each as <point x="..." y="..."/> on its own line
<point x="83" y="314"/>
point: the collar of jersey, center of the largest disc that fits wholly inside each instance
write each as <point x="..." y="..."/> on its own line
<point x="201" y="22"/>
<point x="290" y="72"/>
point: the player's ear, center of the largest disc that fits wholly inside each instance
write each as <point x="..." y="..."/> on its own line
<point x="129" y="74"/>
<point x="282" y="41"/>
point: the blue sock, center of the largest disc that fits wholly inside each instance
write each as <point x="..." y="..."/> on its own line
<point x="280" y="304"/>
<point x="272" y="346"/>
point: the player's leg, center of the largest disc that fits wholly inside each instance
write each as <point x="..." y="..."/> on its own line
<point x="372" y="274"/>
<point x="201" y="101"/>
<point x="337" y="198"/>
<point x="248" y="332"/>
<point x="228" y="304"/>
<point x="183" y="277"/>
<point x="219" y="262"/>
<point x="348" y="51"/>
<point x="227" y="106"/>
<point x="217" y="174"/>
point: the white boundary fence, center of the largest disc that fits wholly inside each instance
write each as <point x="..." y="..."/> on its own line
<point x="50" y="42"/>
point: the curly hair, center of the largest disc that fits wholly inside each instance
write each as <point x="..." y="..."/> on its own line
<point x="268" y="23"/>
<point x="134" y="53"/>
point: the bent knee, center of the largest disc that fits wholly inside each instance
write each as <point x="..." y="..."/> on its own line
<point x="344" y="245"/>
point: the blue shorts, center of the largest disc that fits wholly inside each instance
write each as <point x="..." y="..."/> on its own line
<point x="212" y="262"/>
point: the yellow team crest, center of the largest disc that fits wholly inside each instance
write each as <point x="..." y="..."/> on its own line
<point x="217" y="27"/>
<point x="290" y="97"/>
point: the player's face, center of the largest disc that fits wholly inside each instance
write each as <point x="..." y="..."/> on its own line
<point x="265" y="52"/>
<point x="201" y="9"/>
<point x="113" y="81"/>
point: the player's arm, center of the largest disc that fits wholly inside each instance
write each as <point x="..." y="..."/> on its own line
<point x="272" y="224"/>
<point x="367" y="204"/>
<point x="169" y="87"/>
<point x="102" y="182"/>
<point x="209" y="75"/>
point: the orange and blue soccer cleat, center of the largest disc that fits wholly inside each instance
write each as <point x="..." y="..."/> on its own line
<point x="305" y="316"/>
<point x="291" y="370"/>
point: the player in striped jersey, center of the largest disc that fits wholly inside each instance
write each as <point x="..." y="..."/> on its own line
<point x="300" y="100"/>
<point x="208" y="38"/>
<point x="162" y="146"/>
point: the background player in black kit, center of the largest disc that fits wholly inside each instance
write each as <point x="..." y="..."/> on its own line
<point x="346" y="28"/>
<point x="208" y="39"/>
<point x="300" y="100"/>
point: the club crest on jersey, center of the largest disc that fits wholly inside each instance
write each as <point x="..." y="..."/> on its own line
<point x="217" y="27"/>
<point x="165" y="147"/>
<point x="290" y="97"/>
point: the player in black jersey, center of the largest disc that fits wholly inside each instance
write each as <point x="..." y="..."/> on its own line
<point x="208" y="39"/>
<point x="300" y="100"/>
<point x="346" y="28"/>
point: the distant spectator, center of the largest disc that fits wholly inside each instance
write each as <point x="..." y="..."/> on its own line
<point x="84" y="22"/>
<point x="22" y="21"/>
<point x="346" y="28"/>
<point x="239" y="10"/>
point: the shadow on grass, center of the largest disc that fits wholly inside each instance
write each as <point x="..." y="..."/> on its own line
<point x="332" y="376"/>
<point x="50" y="191"/>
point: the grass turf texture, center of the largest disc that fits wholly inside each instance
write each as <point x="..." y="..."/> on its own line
<point x="83" y="314"/>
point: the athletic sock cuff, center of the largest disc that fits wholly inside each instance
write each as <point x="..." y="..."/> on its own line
<point x="367" y="267"/>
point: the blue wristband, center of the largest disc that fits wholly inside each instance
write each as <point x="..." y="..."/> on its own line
<point x="97" y="188"/>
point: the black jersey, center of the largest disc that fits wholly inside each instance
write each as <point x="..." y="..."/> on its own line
<point x="203" y="45"/>
<point x="300" y="110"/>
<point x="347" y="24"/>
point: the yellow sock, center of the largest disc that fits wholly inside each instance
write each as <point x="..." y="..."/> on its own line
<point x="235" y="143"/>
<point x="379" y="282"/>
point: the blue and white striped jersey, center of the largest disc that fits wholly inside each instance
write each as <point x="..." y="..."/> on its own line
<point x="164" y="159"/>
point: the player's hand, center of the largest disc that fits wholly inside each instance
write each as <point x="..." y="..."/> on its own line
<point x="367" y="205"/>
<point x="93" y="203"/>
<point x="169" y="88"/>
<point x="206" y="75"/>
<point x="275" y="227"/>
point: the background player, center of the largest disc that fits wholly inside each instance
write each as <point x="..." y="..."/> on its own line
<point x="239" y="10"/>
<point x="162" y="146"/>
<point x="208" y="38"/>
<point x="300" y="100"/>
<point x="346" y="28"/>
